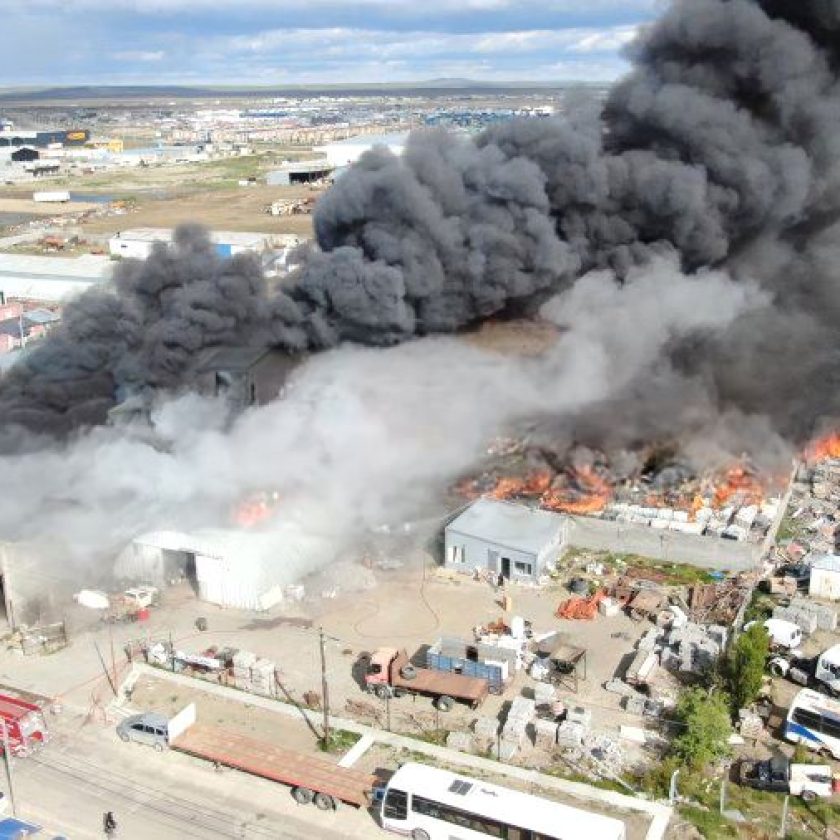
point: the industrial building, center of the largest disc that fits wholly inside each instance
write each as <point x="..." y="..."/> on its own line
<point x="51" y="279"/>
<point x="245" y="376"/>
<point x="44" y="139"/>
<point x="300" y="172"/>
<point x="232" y="568"/>
<point x="497" y="537"/>
<point x="342" y="153"/>
<point x="138" y="242"/>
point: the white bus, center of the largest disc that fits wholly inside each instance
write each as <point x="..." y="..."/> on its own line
<point x="814" y="720"/>
<point x="425" y="803"/>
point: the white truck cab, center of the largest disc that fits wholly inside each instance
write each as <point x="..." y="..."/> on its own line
<point x="827" y="670"/>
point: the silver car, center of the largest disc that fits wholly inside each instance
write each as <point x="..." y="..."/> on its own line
<point x="148" y="728"/>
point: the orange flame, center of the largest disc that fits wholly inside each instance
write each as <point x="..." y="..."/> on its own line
<point x="823" y="448"/>
<point x="739" y="482"/>
<point x="590" y="494"/>
<point x="252" y="511"/>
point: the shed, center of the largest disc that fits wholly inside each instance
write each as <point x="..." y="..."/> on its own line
<point x="232" y="568"/>
<point x="500" y="537"/>
<point x="825" y="577"/>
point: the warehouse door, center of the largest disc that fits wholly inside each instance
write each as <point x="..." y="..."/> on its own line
<point x="506" y="567"/>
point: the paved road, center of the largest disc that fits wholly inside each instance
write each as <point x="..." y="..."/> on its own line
<point x="165" y="796"/>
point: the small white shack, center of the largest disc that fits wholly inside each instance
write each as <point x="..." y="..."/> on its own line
<point x="825" y="577"/>
<point x="513" y="540"/>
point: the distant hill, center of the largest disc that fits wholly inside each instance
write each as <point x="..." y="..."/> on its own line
<point x="121" y="92"/>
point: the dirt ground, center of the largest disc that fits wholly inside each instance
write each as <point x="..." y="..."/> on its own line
<point x="26" y="205"/>
<point x="230" y="208"/>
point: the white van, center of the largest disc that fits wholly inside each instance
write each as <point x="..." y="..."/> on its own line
<point x="782" y="633"/>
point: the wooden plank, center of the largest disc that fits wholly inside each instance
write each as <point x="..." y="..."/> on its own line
<point x="271" y="761"/>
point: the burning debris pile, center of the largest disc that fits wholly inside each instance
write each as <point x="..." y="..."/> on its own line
<point x="655" y="488"/>
<point x="812" y="523"/>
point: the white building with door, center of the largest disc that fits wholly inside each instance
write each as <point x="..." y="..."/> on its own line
<point x="518" y="542"/>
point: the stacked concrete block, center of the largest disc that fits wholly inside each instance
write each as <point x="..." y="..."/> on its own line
<point x="750" y="724"/>
<point x="635" y="704"/>
<point x="577" y="714"/>
<point x="485" y="734"/>
<point x="650" y="639"/>
<point x="243" y="662"/>
<point x="694" y="648"/>
<point x="461" y="741"/>
<point x="545" y="734"/>
<point x="804" y="619"/>
<point x="826" y="616"/>
<point x="619" y="687"/>
<point x="605" y="750"/>
<point x="522" y="711"/>
<point x="262" y="678"/>
<point x="570" y="734"/>
<point x="544" y="694"/>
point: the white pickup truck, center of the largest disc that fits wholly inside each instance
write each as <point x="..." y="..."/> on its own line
<point x="806" y="780"/>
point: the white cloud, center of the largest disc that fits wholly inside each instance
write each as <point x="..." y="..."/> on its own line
<point x="607" y="40"/>
<point x="138" y="55"/>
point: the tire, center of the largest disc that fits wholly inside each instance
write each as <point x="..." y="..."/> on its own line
<point x="419" y="834"/>
<point x="408" y="672"/>
<point x="444" y="703"/>
<point x="324" y="802"/>
<point x="808" y="796"/>
<point x="302" y="795"/>
<point x="383" y="692"/>
<point x="494" y="688"/>
<point x="124" y="737"/>
<point x="158" y="746"/>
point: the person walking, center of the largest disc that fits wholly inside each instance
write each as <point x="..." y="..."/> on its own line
<point x="109" y="824"/>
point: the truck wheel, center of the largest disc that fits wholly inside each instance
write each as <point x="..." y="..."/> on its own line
<point x="808" y="795"/>
<point x="158" y="746"/>
<point x="302" y="795"/>
<point x="419" y="834"/>
<point x="324" y="802"/>
<point x="383" y="692"/>
<point x="494" y="688"/>
<point x="408" y="672"/>
<point x="444" y="703"/>
<point x="124" y="737"/>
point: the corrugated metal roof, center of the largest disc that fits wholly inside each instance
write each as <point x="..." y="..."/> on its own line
<point x="508" y="524"/>
<point x="243" y="239"/>
<point x="86" y="267"/>
<point x="826" y="563"/>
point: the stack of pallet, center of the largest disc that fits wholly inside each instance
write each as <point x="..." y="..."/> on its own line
<point x="243" y="662"/>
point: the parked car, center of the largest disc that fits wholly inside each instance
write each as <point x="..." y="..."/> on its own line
<point x="806" y="780"/>
<point x="147" y="728"/>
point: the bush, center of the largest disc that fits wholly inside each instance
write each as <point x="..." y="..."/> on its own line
<point x="703" y="718"/>
<point x="743" y="668"/>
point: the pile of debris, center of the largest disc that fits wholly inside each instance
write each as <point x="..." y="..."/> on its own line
<point x="815" y="505"/>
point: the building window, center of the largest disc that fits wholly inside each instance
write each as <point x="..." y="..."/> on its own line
<point x="522" y="568"/>
<point x="456" y="554"/>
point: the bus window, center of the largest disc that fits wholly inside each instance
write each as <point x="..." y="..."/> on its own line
<point x="395" y="806"/>
<point x="806" y="718"/>
<point x="831" y="727"/>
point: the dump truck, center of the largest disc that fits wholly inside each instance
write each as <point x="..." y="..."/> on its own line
<point x="26" y="728"/>
<point x="806" y="780"/>
<point x="389" y="673"/>
<point x="311" y="778"/>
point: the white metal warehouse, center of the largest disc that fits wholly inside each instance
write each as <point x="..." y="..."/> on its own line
<point x="232" y="568"/>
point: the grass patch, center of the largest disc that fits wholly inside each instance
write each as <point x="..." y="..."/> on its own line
<point x="676" y="574"/>
<point x="709" y="823"/>
<point x="340" y="741"/>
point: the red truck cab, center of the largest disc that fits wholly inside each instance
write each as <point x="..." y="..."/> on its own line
<point x="25" y="725"/>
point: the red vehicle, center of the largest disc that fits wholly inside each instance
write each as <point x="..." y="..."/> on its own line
<point x="25" y="725"/>
<point x="390" y="673"/>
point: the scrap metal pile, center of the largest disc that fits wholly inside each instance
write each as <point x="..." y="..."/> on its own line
<point x="652" y="487"/>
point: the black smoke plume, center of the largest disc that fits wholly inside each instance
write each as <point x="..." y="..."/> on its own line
<point x="722" y="146"/>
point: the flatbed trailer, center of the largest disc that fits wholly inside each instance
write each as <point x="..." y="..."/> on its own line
<point x="310" y="777"/>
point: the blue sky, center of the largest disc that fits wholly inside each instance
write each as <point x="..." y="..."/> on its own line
<point x="52" y="42"/>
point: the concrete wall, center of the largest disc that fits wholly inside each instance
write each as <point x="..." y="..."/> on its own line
<point x="825" y="583"/>
<point x="670" y="546"/>
<point x="480" y="554"/>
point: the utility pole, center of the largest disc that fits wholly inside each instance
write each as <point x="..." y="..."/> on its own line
<point x="325" y="701"/>
<point x="7" y="754"/>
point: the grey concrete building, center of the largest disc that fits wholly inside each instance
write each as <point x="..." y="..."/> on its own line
<point x="515" y="541"/>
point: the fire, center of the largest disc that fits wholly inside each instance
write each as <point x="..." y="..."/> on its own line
<point x="739" y="482"/>
<point x="254" y="509"/>
<point x="534" y="484"/>
<point x="823" y="448"/>
<point x="589" y="493"/>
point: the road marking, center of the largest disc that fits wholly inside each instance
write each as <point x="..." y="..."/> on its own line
<point x="356" y="751"/>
